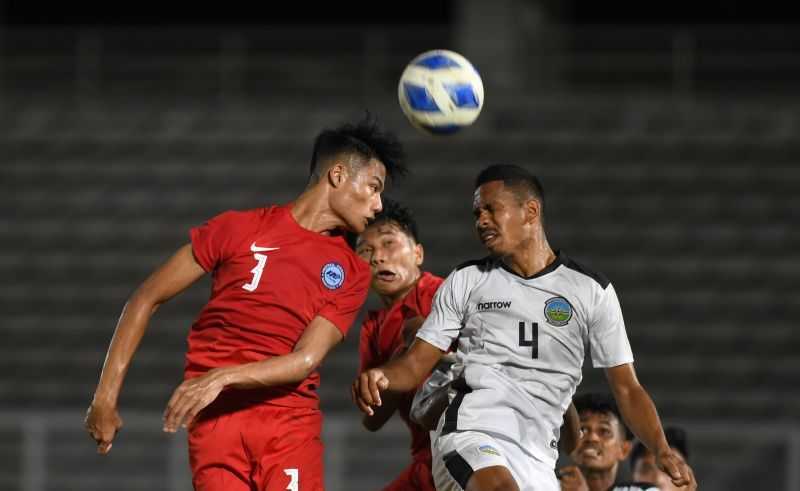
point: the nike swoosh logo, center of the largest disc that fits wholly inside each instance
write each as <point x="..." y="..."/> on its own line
<point x="255" y="248"/>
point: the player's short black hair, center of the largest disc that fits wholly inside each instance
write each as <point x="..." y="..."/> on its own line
<point x="601" y="403"/>
<point x="395" y="213"/>
<point x="522" y="183"/>
<point x="364" y="138"/>
<point x="676" y="438"/>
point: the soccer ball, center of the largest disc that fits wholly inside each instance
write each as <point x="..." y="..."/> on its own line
<point x="440" y="92"/>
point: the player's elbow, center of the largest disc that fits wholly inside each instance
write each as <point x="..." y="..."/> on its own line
<point x="306" y="365"/>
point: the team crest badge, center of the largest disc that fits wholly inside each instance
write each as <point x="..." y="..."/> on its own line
<point x="558" y="311"/>
<point x="332" y="275"/>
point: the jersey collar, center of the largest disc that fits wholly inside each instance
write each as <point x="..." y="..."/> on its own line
<point x="560" y="259"/>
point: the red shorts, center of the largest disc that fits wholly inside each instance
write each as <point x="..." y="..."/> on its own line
<point x="258" y="447"/>
<point x="416" y="477"/>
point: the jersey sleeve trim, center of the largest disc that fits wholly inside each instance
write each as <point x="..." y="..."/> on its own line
<point x="613" y="363"/>
<point x="430" y="339"/>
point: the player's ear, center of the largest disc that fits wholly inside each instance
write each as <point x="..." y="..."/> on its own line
<point x="627" y="445"/>
<point x="419" y="254"/>
<point x="533" y="211"/>
<point x="337" y="174"/>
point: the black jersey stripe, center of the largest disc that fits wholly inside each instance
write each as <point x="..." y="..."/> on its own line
<point x="600" y="278"/>
<point x="458" y="468"/>
<point x="451" y="414"/>
<point x="481" y="263"/>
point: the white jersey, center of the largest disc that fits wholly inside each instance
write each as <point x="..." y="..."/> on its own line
<point x="521" y="346"/>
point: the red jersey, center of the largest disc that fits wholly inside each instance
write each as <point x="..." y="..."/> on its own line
<point x="382" y="336"/>
<point x="271" y="277"/>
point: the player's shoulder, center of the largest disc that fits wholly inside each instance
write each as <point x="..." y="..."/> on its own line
<point x="429" y="282"/>
<point x="470" y="273"/>
<point x="482" y="264"/>
<point x="583" y="271"/>
<point x="247" y="215"/>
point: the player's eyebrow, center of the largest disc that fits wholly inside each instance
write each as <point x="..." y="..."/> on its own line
<point x="379" y="182"/>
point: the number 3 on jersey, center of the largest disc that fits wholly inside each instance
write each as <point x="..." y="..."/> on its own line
<point x="262" y="261"/>
<point x="533" y="342"/>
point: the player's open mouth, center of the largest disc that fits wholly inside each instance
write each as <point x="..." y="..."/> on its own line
<point x="385" y="275"/>
<point x="488" y="236"/>
<point x="590" y="452"/>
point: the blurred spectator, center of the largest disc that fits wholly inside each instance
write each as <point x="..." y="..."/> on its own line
<point x="604" y="443"/>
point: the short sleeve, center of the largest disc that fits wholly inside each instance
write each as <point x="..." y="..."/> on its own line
<point x="443" y="324"/>
<point x="608" y="339"/>
<point x="366" y="347"/>
<point x="211" y="241"/>
<point x="346" y="302"/>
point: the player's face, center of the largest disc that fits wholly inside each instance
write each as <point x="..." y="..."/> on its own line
<point x="358" y="198"/>
<point x="646" y="470"/>
<point x="394" y="258"/>
<point x="602" y="444"/>
<point x="501" y="220"/>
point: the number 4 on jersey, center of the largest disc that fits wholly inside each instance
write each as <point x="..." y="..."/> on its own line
<point x="533" y="342"/>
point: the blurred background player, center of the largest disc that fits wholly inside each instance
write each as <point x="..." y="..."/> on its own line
<point x="286" y="288"/>
<point x="522" y="317"/>
<point x="643" y="462"/>
<point x="391" y="246"/>
<point x="605" y="443"/>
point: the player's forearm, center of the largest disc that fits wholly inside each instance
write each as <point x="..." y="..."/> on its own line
<point x="640" y="415"/>
<point x="128" y="334"/>
<point x="280" y="370"/>
<point x="403" y="375"/>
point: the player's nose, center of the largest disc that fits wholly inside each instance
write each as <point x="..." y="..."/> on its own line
<point x="377" y="258"/>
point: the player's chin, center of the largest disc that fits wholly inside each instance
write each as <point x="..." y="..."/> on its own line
<point x="357" y="226"/>
<point x="494" y="248"/>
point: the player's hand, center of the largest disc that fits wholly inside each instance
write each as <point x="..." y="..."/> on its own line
<point x="366" y="390"/>
<point x="191" y="397"/>
<point x="102" y="422"/>
<point x="571" y="479"/>
<point x="677" y="469"/>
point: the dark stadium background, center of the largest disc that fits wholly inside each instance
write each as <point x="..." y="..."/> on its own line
<point x="665" y="134"/>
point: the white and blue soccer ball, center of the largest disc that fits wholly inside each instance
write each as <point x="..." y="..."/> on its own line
<point x="440" y="92"/>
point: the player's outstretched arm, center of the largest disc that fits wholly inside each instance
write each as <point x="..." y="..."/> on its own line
<point x="640" y="415"/>
<point x="401" y="374"/>
<point x="319" y="337"/>
<point x="174" y="276"/>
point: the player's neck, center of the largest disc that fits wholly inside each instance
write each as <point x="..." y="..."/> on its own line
<point x="311" y="211"/>
<point x="531" y="258"/>
<point x="600" y="480"/>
